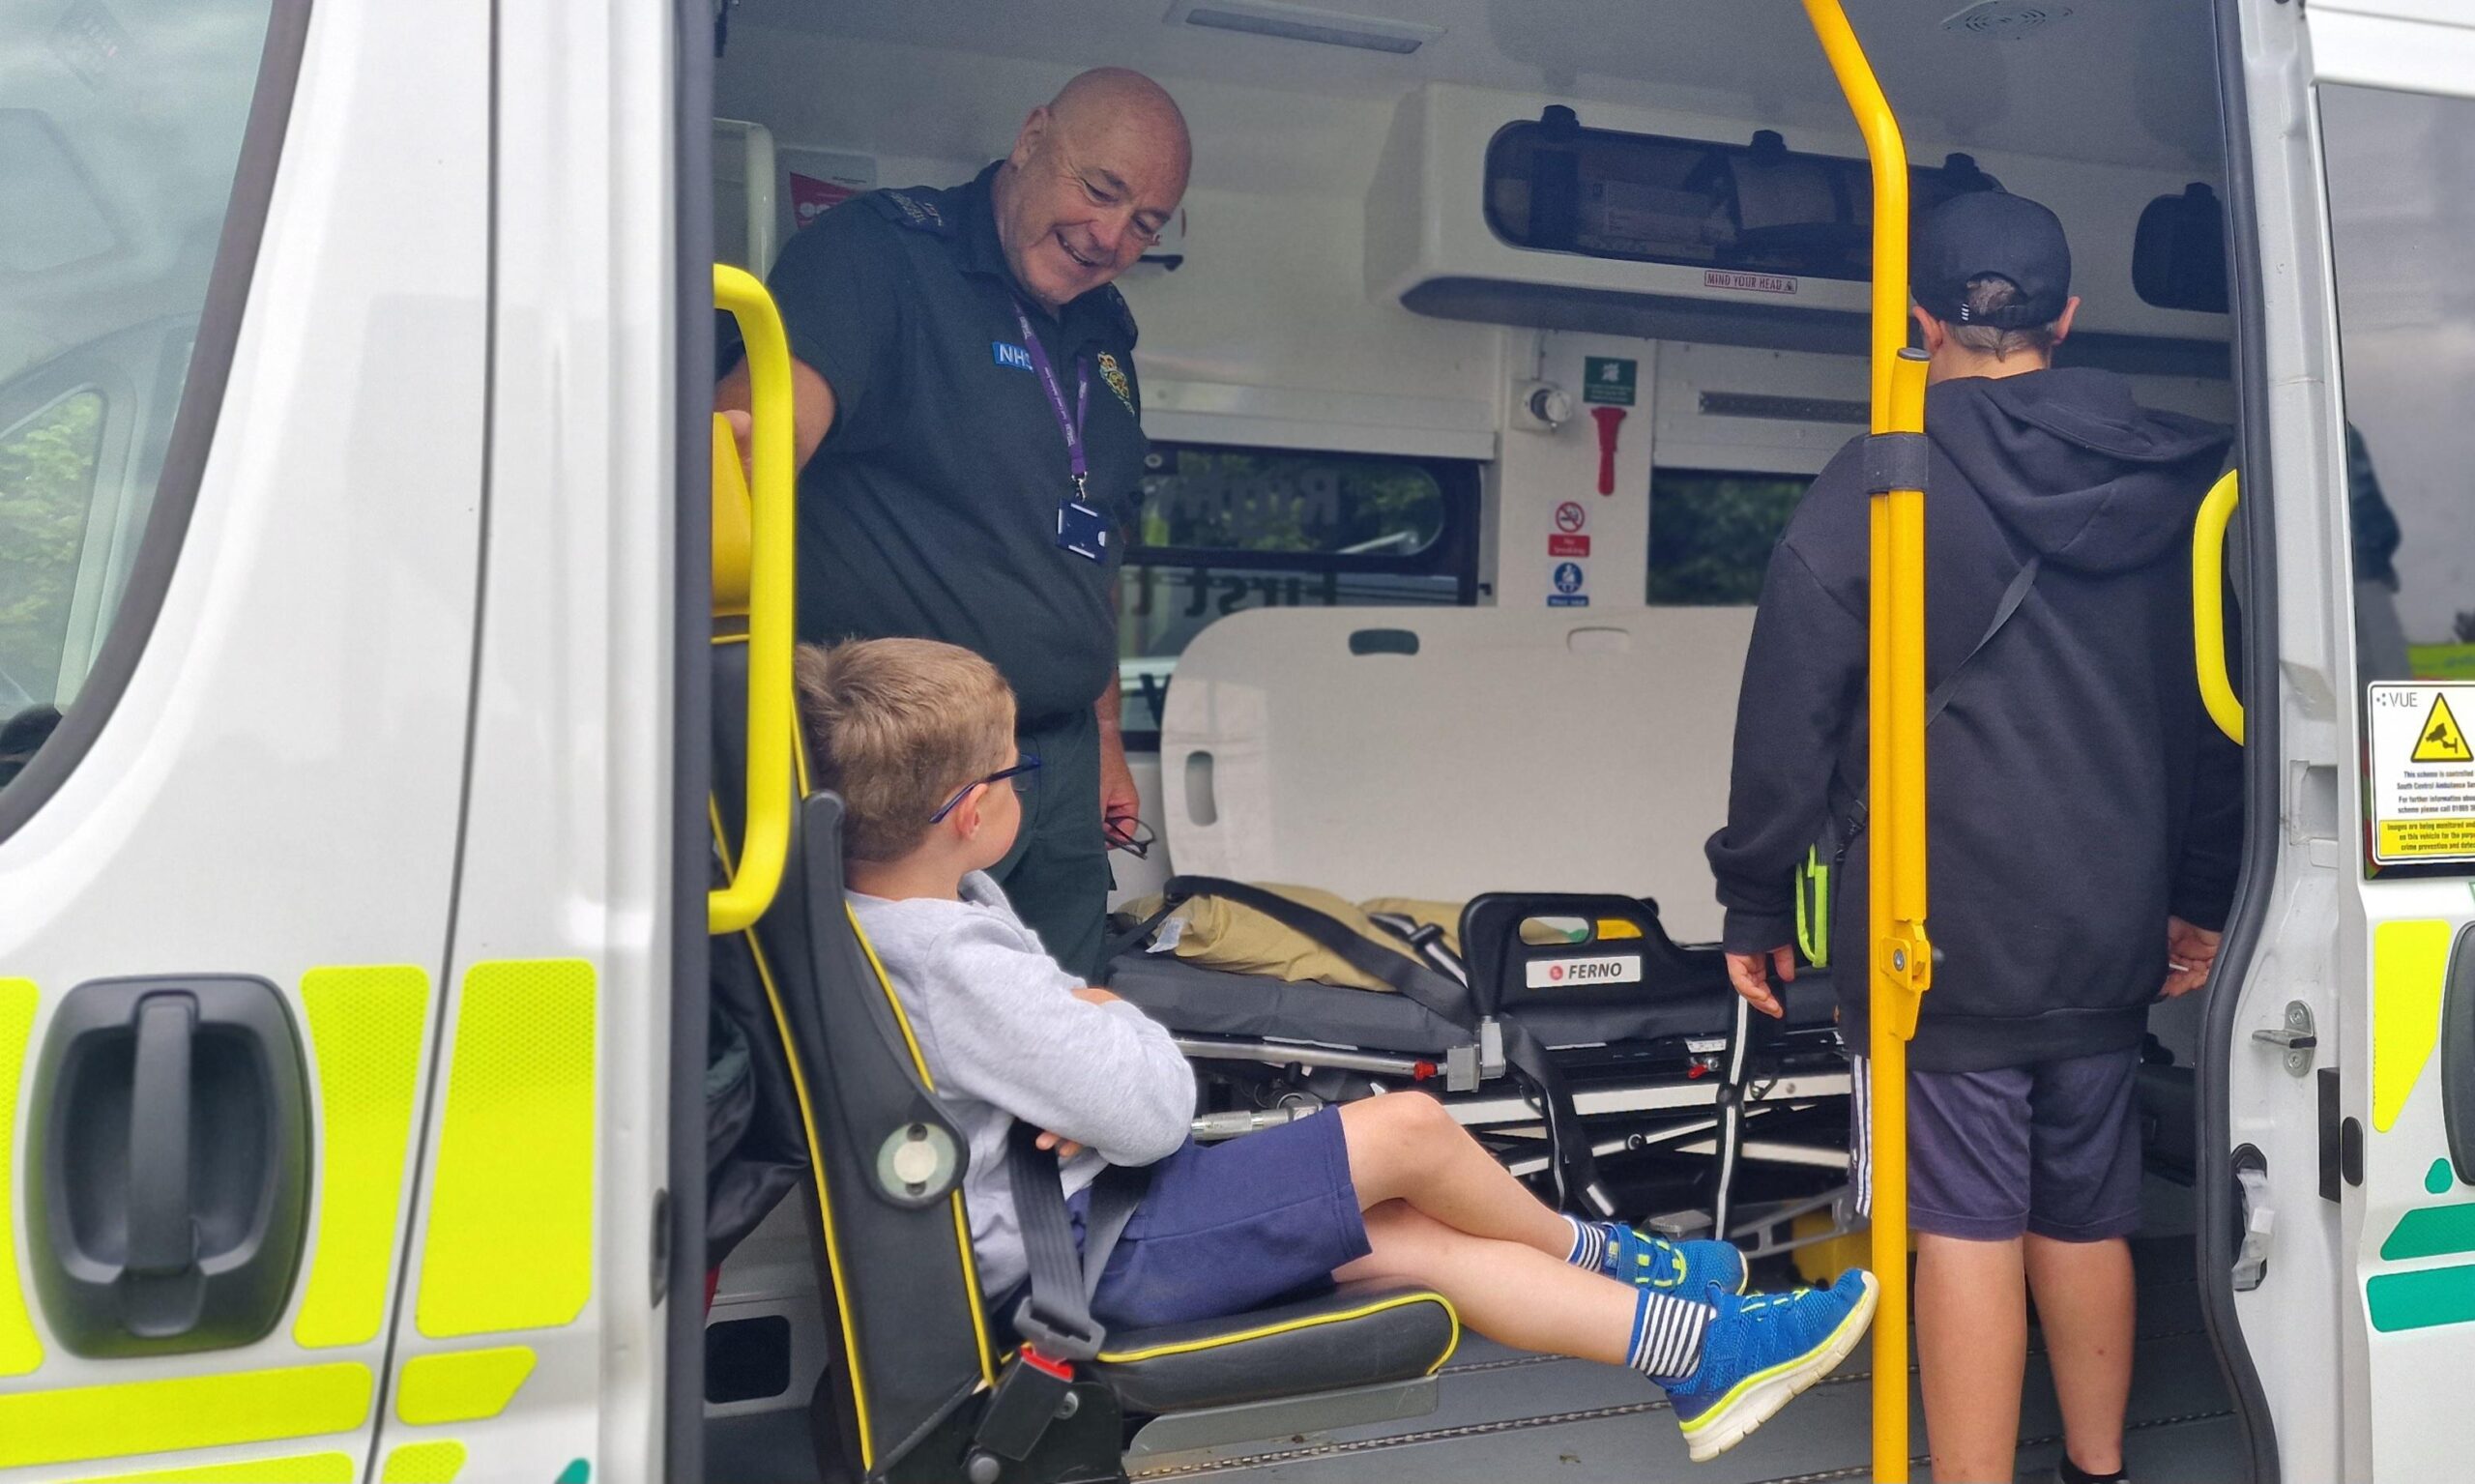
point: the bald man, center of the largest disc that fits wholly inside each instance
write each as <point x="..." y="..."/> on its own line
<point x="971" y="447"/>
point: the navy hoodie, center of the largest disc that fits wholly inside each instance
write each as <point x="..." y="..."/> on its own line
<point x="2077" y="793"/>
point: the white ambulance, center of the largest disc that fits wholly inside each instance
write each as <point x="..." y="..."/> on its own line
<point x="381" y="699"/>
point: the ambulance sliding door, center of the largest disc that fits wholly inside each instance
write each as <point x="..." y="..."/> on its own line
<point x="243" y="287"/>
<point x="2395" y="111"/>
<point x="527" y="1336"/>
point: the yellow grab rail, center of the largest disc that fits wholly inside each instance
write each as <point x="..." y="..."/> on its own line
<point x="1901" y="954"/>
<point x="2208" y="606"/>
<point x="765" y="840"/>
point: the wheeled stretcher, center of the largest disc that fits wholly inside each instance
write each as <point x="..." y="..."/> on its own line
<point x="1570" y="1033"/>
<point x="1443" y="754"/>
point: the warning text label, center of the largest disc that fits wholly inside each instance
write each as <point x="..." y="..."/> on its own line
<point x="2423" y="773"/>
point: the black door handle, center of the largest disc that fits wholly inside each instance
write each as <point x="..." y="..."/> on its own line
<point x="172" y="1118"/>
<point x="162" y="1258"/>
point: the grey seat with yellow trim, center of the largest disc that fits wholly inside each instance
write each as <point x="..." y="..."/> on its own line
<point x="924" y="1383"/>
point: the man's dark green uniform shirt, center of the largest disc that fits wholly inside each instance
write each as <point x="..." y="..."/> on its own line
<point x="931" y="508"/>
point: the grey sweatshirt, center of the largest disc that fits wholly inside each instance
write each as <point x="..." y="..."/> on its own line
<point x="1005" y="1038"/>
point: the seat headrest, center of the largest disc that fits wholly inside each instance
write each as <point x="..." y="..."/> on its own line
<point x="734" y="540"/>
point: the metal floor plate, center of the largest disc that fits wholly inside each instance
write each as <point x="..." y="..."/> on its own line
<point x="1504" y="1415"/>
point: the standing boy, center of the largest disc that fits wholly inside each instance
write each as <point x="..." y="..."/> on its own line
<point x="2084" y="826"/>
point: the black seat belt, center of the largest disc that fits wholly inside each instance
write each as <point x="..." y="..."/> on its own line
<point x="1056" y="1315"/>
<point x="1054" y="1319"/>
<point x="1574" y="1166"/>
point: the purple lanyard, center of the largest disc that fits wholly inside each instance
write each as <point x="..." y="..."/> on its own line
<point x="1071" y="427"/>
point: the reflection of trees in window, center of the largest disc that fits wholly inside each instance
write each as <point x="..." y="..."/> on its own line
<point x="47" y="483"/>
<point x="1209" y="500"/>
<point x="1711" y="534"/>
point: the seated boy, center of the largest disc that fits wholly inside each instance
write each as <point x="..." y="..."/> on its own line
<point x="919" y="738"/>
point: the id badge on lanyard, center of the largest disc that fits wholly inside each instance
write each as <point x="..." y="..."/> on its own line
<point x="1081" y="528"/>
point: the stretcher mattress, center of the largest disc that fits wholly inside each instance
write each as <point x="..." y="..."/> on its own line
<point x="1208" y="1001"/>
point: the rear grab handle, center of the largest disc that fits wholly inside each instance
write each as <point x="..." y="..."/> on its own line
<point x="2209" y="607"/>
<point x="766" y="833"/>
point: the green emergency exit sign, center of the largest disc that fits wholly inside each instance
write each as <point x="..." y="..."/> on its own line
<point x="1607" y="379"/>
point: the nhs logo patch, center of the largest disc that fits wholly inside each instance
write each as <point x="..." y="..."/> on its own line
<point x="1008" y="354"/>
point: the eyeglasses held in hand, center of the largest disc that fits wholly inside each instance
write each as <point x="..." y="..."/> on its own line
<point x="1135" y="839"/>
<point x="1021" y="772"/>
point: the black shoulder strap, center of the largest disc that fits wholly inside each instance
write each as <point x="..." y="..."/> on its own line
<point x="2012" y="597"/>
<point x="1848" y="805"/>
<point x="1576" y="1169"/>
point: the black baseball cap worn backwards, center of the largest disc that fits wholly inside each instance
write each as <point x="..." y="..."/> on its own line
<point x="1991" y="232"/>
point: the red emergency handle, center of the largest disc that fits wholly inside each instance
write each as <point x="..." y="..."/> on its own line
<point x="1608" y="419"/>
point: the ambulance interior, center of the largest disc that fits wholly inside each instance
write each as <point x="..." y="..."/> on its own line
<point x="1492" y="348"/>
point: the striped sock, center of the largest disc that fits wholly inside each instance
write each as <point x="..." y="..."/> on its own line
<point x="1590" y="1245"/>
<point x="1667" y="1335"/>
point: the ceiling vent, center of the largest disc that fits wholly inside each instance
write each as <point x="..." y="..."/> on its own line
<point x="2006" y="20"/>
<point x="1301" y="23"/>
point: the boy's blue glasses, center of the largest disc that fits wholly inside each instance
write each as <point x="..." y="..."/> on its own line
<point x="1021" y="772"/>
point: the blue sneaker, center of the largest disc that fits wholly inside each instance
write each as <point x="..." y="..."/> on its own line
<point x="1683" y="1269"/>
<point x="1760" y="1352"/>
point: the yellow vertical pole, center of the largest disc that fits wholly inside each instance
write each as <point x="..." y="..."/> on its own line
<point x="1901" y="954"/>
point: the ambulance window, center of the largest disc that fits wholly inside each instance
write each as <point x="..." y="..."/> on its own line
<point x="2402" y="231"/>
<point x="46" y="496"/>
<point x="1224" y="528"/>
<point x="1711" y="533"/>
<point x="123" y="259"/>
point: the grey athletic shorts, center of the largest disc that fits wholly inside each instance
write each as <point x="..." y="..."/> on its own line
<point x="2052" y="1147"/>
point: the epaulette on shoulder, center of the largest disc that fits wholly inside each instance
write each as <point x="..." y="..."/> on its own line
<point x="919" y="209"/>
<point x="1120" y="314"/>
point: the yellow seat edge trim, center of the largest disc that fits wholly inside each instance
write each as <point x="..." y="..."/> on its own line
<point x="1294" y="1325"/>
<point x="962" y="1219"/>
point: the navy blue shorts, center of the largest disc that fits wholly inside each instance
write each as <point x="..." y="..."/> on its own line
<point x="1229" y="1227"/>
<point x="2052" y="1148"/>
